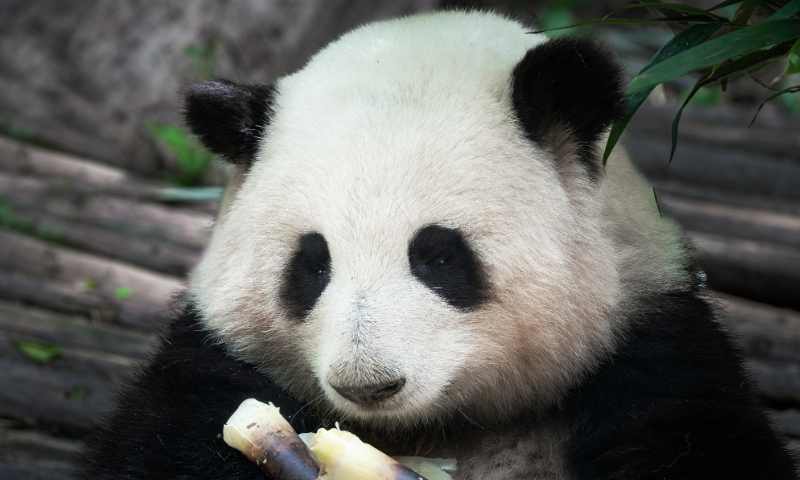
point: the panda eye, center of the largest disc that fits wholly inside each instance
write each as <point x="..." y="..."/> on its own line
<point x="442" y="260"/>
<point x="307" y="276"/>
<point x="432" y="256"/>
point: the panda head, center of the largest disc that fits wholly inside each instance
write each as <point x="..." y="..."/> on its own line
<point x="418" y="224"/>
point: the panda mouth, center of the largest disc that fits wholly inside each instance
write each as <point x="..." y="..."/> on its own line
<point x="370" y="395"/>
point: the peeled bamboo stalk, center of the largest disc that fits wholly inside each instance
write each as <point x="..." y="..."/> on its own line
<point x="347" y="458"/>
<point x="261" y="433"/>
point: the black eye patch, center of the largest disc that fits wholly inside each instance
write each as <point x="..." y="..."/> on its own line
<point x="307" y="275"/>
<point x="443" y="261"/>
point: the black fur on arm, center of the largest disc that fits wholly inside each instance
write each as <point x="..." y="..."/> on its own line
<point x="573" y="84"/>
<point x="674" y="403"/>
<point x="229" y="119"/>
<point x="168" y="422"/>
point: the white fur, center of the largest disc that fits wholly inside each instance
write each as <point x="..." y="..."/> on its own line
<point x="395" y="126"/>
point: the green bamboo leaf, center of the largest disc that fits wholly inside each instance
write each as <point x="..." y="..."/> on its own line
<point x="685" y="40"/>
<point x="794" y="60"/>
<point x="703" y="80"/>
<point x="727" y="3"/>
<point x="748" y="62"/>
<point x="743" y="14"/>
<point x="38" y="352"/>
<point x="673" y="7"/>
<point x="745" y="63"/>
<point x="786" y="12"/>
<point x="688" y="38"/>
<point x="634" y="101"/>
<point x="795" y="89"/>
<point x="765" y="34"/>
<point x="658" y="205"/>
<point x="629" y="21"/>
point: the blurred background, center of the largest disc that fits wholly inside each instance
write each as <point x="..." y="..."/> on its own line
<point x="106" y="203"/>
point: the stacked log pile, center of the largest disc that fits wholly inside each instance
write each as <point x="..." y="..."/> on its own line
<point x="735" y="190"/>
<point x="90" y="261"/>
<point x="92" y="258"/>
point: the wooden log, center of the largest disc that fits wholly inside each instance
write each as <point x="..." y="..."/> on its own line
<point x="80" y="361"/>
<point x="766" y="333"/>
<point x="779" y="382"/>
<point x="15" y="465"/>
<point x="140" y="296"/>
<point x="55" y="296"/>
<point x="712" y="166"/>
<point x="721" y="128"/>
<point x="153" y="254"/>
<point x="74" y="298"/>
<point x="27" y="323"/>
<point x="60" y="170"/>
<point x="27" y="454"/>
<point x="733" y="199"/>
<point x="732" y="221"/>
<point x="67" y="402"/>
<point x="59" y="199"/>
<point x="794" y="447"/>
<point x="788" y="421"/>
<point x="771" y="339"/>
<point x="766" y="272"/>
<point x="26" y="159"/>
<point x="38" y="443"/>
<point x="72" y="391"/>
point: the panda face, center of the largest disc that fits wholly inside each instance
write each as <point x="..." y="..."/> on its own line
<point x="412" y="238"/>
<point x="403" y="261"/>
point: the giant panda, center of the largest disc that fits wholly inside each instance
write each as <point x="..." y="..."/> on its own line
<point x="420" y="242"/>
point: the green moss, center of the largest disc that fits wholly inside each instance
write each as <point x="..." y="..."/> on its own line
<point x="122" y="292"/>
<point x="202" y="59"/>
<point x="705" y="97"/>
<point x="38" y="352"/>
<point x="192" y="158"/>
<point x="558" y="13"/>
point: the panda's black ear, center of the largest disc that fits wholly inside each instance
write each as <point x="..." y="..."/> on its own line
<point x="569" y="89"/>
<point x="228" y="118"/>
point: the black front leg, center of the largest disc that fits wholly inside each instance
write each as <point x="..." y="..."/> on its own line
<point x="674" y="403"/>
<point x="168" y="421"/>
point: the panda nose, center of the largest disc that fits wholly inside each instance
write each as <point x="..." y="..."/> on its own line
<point x="370" y="393"/>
